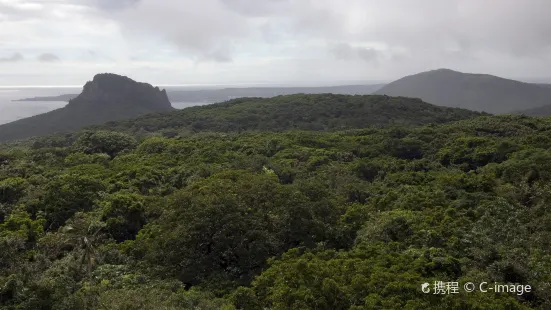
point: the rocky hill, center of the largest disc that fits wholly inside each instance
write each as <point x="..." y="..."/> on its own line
<point x="478" y="92"/>
<point x="107" y="97"/>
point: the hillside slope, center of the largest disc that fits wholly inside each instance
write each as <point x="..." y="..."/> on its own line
<point x="354" y="219"/>
<point x="477" y="92"/>
<point x="539" y="111"/>
<point x="107" y="97"/>
<point x="305" y="112"/>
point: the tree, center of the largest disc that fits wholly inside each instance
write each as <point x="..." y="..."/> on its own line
<point x="68" y="194"/>
<point x="108" y="142"/>
<point x="124" y="215"/>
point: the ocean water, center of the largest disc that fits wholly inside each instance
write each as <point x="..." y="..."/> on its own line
<point x="13" y="110"/>
<point x="183" y="105"/>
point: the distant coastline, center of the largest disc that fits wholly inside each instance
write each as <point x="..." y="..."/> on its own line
<point x="217" y="95"/>
<point x="66" y="97"/>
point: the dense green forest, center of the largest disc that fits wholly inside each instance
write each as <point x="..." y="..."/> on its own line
<point x="155" y="214"/>
<point x="303" y="112"/>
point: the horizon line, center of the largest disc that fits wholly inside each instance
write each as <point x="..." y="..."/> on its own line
<point x="204" y="85"/>
<point x="153" y="84"/>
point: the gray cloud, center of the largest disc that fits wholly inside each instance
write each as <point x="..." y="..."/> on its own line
<point x="221" y="54"/>
<point x="396" y="37"/>
<point x="257" y="8"/>
<point x="205" y="30"/>
<point x="344" y="51"/>
<point x="91" y="55"/>
<point x="48" y="57"/>
<point x="17" y="11"/>
<point x="468" y="26"/>
<point x="13" y="58"/>
<point x="44" y="9"/>
<point x="368" y="54"/>
<point x="209" y="28"/>
<point x="113" y="5"/>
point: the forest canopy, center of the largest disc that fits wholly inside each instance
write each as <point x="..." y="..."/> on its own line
<point x="319" y="112"/>
<point x="261" y="216"/>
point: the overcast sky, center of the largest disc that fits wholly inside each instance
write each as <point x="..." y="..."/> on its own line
<point x="66" y="42"/>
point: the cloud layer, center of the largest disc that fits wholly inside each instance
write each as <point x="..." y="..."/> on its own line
<point x="279" y="41"/>
<point x="48" y="57"/>
<point x="15" y="57"/>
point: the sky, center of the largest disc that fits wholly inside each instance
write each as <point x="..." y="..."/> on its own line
<point x="285" y="42"/>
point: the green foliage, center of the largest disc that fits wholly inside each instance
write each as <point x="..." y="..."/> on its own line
<point x="110" y="143"/>
<point x="69" y="193"/>
<point x="75" y="159"/>
<point x="231" y="224"/>
<point x="123" y="215"/>
<point x="370" y="276"/>
<point x="12" y="189"/>
<point x="353" y="219"/>
<point x="301" y="111"/>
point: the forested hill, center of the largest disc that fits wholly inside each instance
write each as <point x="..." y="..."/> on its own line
<point x="301" y="111"/>
<point x="354" y="219"/>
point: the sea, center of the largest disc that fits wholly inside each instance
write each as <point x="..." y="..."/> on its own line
<point x="11" y="110"/>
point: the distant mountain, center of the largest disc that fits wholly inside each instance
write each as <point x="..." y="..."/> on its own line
<point x="478" y="92"/>
<point x="107" y="97"/>
<point x="317" y="112"/>
<point x="217" y="95"/>
<point x="539" y="111"/>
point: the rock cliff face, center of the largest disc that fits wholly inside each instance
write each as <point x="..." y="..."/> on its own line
<point x="111" y="90"/>
<point x="108" y="97"/>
